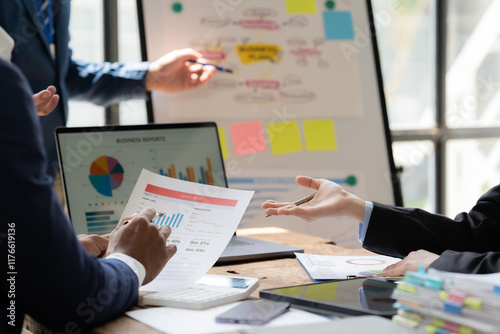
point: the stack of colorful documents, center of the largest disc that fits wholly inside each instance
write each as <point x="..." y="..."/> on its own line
<point x="443" y="303"/>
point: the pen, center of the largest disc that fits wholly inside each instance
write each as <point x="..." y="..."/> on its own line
<point x="219" y="68"/>
<point x="302" y="200"/>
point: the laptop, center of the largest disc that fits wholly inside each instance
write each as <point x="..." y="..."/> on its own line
<point x="100" y="165"/>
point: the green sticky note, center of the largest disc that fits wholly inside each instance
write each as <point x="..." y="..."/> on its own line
<point x="222" y="140"/>
<point x="319" y="135"/>
<point x="300" y="6"/>
<point x="284" y="137"/>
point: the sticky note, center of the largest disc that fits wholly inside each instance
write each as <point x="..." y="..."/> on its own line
<point x="338" y="25"/>
<point x="248" y="138"/>
<point x="300" y="6"/>
<point x="284" y="137"/>
<point x="255" y="52"/>
<point x="319" y="135"/>
<point x="222" y="140"/>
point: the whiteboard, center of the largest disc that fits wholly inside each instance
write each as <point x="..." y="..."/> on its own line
<point x="307" y="98"/>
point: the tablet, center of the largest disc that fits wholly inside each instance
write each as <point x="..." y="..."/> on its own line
<point x="361" y="296"/>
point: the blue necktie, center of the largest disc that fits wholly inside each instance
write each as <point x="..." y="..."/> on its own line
<point x="45" y="12"/>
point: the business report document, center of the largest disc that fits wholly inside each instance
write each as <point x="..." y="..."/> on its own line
<point x="332" y="267"/>
<point x="203" y="219"/>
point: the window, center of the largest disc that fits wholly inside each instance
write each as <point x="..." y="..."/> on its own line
<point x="87" y="40"/>
<point x="445" y="118"/>
<point x="406" y="39"/>
<point x="86" y="31"/>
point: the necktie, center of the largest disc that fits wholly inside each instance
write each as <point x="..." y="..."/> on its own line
<point x="44" y="8"/>
<point x="45" y="12"/>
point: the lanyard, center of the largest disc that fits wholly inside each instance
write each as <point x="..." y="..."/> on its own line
<point x="48" y="27"/>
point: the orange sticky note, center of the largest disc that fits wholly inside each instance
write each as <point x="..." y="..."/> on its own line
<point x="248" y="137"/>
<point x="284" y="137"/>
<point x="319" y="135"/>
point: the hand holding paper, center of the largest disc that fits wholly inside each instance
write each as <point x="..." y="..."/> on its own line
<point x="202" y="219"/>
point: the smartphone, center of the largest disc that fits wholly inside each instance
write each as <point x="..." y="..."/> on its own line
<point x="253" y="312"/>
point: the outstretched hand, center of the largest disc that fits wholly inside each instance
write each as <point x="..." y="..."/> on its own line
<point x="46" y="101"/>
<point x="173" y="73"/>
<point x="331" y="200"/>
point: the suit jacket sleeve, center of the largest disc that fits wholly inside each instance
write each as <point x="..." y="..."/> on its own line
<point x="106" y="83"/>
<point x="468" y="243"/>
<point x="55" y="280"/>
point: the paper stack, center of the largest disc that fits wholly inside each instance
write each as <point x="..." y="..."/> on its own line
<point x="442" y="302"/>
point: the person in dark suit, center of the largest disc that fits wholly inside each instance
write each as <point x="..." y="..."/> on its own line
<point x="467" y="244"/>
<point x="41" y="52"/>
<point x="48" y="274"/>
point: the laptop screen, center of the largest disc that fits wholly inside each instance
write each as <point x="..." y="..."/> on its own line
<point x="100" y="165"/>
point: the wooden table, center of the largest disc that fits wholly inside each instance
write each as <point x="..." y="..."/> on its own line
<point x="271" y="273"/>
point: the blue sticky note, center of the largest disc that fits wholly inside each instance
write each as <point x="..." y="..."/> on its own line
<point x="451" y="307"/>
<point x="338" y="25"/>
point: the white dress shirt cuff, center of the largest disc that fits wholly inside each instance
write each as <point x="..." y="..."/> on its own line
<point x="135" y="265"/>
<point x="363" y="226"/>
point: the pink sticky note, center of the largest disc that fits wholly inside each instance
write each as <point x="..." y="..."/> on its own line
<point x="248" y="138"/>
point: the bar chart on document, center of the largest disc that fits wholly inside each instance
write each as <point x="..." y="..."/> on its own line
<point x="202" y="218"/>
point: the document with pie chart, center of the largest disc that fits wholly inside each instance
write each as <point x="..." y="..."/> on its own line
<point x="203" y="219"/>
<point x="332" y="267"/>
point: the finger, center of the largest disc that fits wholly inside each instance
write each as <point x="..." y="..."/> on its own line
<point x="195" y="82"/>
<point x="208" y="72"/>
<point x="102" y="242"/>
<point x="51" y="89"/>
<point x="41" y="96"/>
<point x="47" y="107"/>
<point x="292" y="209"/>
<point x="149" y="212"/>
<point x="279" y="210"/>
<point x="189" y="53"/>
<point x="275" y="205"/>
<point x="125" y="221"/>
<point x="393" y="269"/>
<point x="267" y="204"/>
<point x="196" y="68"/>
<point x="309" y="182"/>
<point x="165" y="232"/>
<point x="171" y="250"/>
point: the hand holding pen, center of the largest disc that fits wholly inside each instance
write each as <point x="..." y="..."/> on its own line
<point x="300" y="201"/>
<point x="330" y="200"/>
<point x="217" y="67"/>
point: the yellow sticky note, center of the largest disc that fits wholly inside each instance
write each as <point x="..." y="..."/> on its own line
<point x="319" y="135"/>
<point x="223" y="143"/>
<point x="255" y="52"/>
<point x="284" y="137"/>
<point x="300" y="6"/>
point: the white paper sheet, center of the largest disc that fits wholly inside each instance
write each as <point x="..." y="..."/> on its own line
<point x="173" y="320"/>
<point x="203" y="219"/>
<point x="329" y="267"/>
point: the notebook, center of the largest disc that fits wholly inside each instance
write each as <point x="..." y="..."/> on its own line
<point x="100" y="165"/>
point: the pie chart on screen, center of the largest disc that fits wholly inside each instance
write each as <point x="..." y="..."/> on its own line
<point x="106" y="175"/>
